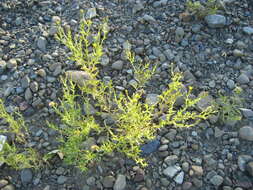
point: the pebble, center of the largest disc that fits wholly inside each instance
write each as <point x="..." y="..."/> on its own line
<point x="34" y="86"/>
<point x="238" y="53"/>
<point x="187" y="185"/>
<point x="120" y="183"/>
<point x="216" y="180"/>
<point x="247" y="113"/>
<point x="179" y="34"/>
<point x="152" y="99"/>
<point x="104" y="60"/>
<point x="149" y="18"/>
<point x="171" y="160"/>
<point x="42" y="43"/>
<point x="3" y="66"/>
<point x="171" y="171"/>
<point x="215" y="21"/>
<point x="246" y="133"/>
<point x="25" y="81"/>
<point x="231" y="84"/>
<point x="248" y="30"/>
<point x="26" y="176"/>
<point x="91" y="13"/>
<point x="12" y="63"/>
<point x="179" y="178"/>
<point x="117" y="65"/>
<point x="8" y="187"/>
<point x="242" y="160"/>
<point x="204" y="102"/>
<point x="198" y="170"/>
<point x="3" y="183"/>
<point x="28" y="94"/>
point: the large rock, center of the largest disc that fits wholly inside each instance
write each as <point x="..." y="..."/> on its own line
<point x="79" y="77"/>
<point x="246" y="133"/>
<point x="215" y="21"/>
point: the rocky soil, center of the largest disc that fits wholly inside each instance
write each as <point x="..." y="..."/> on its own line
<point x="215" y="54"/>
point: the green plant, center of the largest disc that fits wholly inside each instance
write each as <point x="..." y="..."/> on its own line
<point x="16" y="156"/>
<point x="135" y="121"/>
<point x="201" y="10"/>
<point x="228" y="106"/>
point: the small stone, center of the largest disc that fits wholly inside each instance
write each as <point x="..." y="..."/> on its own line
<point x="246" y="133"/>
<point x="28" y="94"/>
<point x="118" y="65"/>
<point x="204" y="102"/>
<point x="216" y="180"/>
<point x="165" y="182"/>
<point x="238" y="53"/>
<point x="185" y="166"/>
<point x="231" y="84"/>
<point x="61" y="179"/>
<point x="91" y="13"/>
<point x="34" y="86"/>
<point x="108" y="181"/>
<point x="171" y="171"/>
<point x="26" y="176"/>
<point x="171" y="160"/>
<point x="198" y="170"/>
<point x="42" y="73"/>
<point x="42" y="43"/>
<point x="249" y="168"/>
<point x="3" y="66"/>
<point x="79" y="77"/>
<point x="12" y="63"/>
<point x="242" y="160"/>
<point x="19" y="21"/>
<point x="243" y="79"/>
<point x="187" y="185"/>
<point x="120" y="183"/>
<point x="179" y="178"/>
<point x="163" y="147"/>
<point x="53" y="30"/>
<point x="179" y="34"/>
<point x="248" y="30"/>
<point x="217" y="132"/>
<point x="152" y="99"/>
<point x="25" y="81"/>
<point x="137" y="7"/>
<point x="105" y="60"/>
<point x="150" y="147"/>
<point x="248" y="113"/>
<point x="215" y="21"/>
<point x="149" y="18"/>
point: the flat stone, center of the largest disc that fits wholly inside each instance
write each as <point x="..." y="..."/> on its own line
<point x="28" y="94"/>
<point x="91" y="13"/>
<point x="26" y="176"/>
<point x="149" y="18"/>
<point x="215" y="21"/>
<point x="3" y="183"/>
<point x="120" y="183"/>
<point x="171" y="171"/>
<point x="171" y="160"/>
<point x="247" y="113"/>
<point x="150" y="147"/>
<point x="9" y="187"/>
<point x="246" y="133"/>
<point x="79" y="77"/>
<point x="247" y="30"/>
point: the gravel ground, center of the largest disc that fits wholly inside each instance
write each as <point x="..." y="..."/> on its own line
<point x="215" y="54"/>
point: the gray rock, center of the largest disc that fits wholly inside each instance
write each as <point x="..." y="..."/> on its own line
<point x="53" y="30"/>
<point x="160" y="3"/>
<point x="118" y="65"/>
<point x="108" y="181"/>
<point x="179" y="34"/>
<point x="165" y="182"/>
<point x="171" y="160"/>
<point x="238" y="53"/>
<point x="120" y="183"/>
<point x="171" y="171"/>
<point x="91" y="13"/>
<point x="25" y="81"/>
<point x="28" y="94"/>
<point x="217" y="132"/>
<point x="243" y="79"/>
<point x="149" y="18"/>
<point x="242" y="160"/>
<point x="247" y="113"/>
<point x="215" y="21"/>
<point x="137" y="7"/>
<point x="42" y="43"/>
<point x="89" y="109"/>
<point x="152" y="99"/>
<point x="231" y="84"/>
<point x="105" y="60"/>
<point x="3" y="139"/>
<point x="3" y="66"/>
<point x="3" y="183"/>
<point x="26" y="176"/>
<point x="246" y="133"/>
<point x="91" y="181"/>
<point x="249" y="168"/>
<point x="19" y="21"/>
<point x="61" y="179"/>
<point x="179" y="178"/>
<point x="79" y="77"/>
<point x="204" y="102"/>
<point x="248" y="30"/>
<point x="216" y="180"/>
